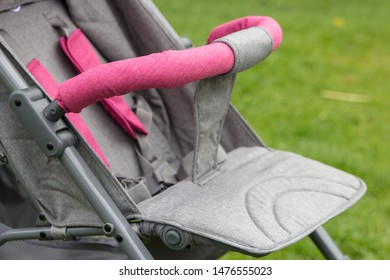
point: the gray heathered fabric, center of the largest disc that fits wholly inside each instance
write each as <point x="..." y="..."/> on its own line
<point x="106" y="32"/>
<point x="212" y="96"/>
<point x="259" y="201"/>
<point x="9" y="4"/>
<point x="250" y="46"/>
<point x="212" y="99"/>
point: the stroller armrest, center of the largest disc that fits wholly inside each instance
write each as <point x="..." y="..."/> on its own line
<point x="170" y="69"/>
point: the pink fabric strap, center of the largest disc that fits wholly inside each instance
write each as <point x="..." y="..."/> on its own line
<point x="51" y="87"/>
<point x="82" y="55"/>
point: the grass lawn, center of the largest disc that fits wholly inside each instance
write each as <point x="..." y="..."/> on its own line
<point x="329" y="48"/>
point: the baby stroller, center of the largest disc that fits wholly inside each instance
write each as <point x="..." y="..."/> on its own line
<point x="109" y="149"/>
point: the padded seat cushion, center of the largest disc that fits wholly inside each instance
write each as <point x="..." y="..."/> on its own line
<point x="258" y="201"/>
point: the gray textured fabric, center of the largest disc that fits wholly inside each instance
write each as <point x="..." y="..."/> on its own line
<point x="212" y="99"/>
<point x="30" y="29"/>
<point x="146" y="27"/>
<point x="57" y="22"/>
<point x="106" y="32"/>
<point x="259" y="201"/>
<point x="16" y="210"/>
<point x="155" y="155"/>
<point x="250" y="46"/>
<point x="136" y="188"/>
<point x="186" y="164"/>
<point x="9" y="4"/>
<point x="212" y="96"/>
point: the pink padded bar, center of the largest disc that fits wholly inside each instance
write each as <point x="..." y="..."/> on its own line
<point x="83" y="57"/>
<point x="161" y="70"/>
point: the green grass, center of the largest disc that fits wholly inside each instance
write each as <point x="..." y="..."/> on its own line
<point x="340" y="46"/>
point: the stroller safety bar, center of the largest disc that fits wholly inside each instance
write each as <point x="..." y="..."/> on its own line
<point x="244" y="43"/>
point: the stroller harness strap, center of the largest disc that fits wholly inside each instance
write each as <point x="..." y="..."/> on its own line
<point x="50" y="85"/>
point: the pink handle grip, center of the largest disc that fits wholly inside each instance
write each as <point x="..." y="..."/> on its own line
<point x="161" y="70"/>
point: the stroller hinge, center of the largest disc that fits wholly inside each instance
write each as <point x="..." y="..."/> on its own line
<point x="29" y="106"/>
<point x="53" y="112"/>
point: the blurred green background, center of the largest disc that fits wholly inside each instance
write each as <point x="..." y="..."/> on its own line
<point x="323" y="94"/>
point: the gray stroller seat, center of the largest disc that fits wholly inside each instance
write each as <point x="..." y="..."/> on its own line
<point x="215" y="186"/>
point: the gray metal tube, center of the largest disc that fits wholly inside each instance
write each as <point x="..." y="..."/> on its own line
<point x="326" y="245"/>
<point x="45" y="233"/>
<point x="21" y="234"/>
<point x="9" y="77"/>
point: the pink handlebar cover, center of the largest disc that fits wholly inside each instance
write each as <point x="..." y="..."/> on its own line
<point x="167" y="69"/>
<point x="161" y="70"/>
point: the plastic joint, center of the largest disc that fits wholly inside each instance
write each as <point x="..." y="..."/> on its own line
<point x="174" y="238"/>
<point x="53" y="112"/>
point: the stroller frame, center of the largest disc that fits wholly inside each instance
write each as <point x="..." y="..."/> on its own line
<point x="115" y="224"/>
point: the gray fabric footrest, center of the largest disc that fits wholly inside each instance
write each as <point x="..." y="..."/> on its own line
<point x="258" y="201"/>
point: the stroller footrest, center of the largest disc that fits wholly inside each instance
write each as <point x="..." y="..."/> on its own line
<point x="259" y="201"/>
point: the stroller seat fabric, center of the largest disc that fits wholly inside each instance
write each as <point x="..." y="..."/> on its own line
<point x="177" y="163"/>
<point x="257" y="202"/>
